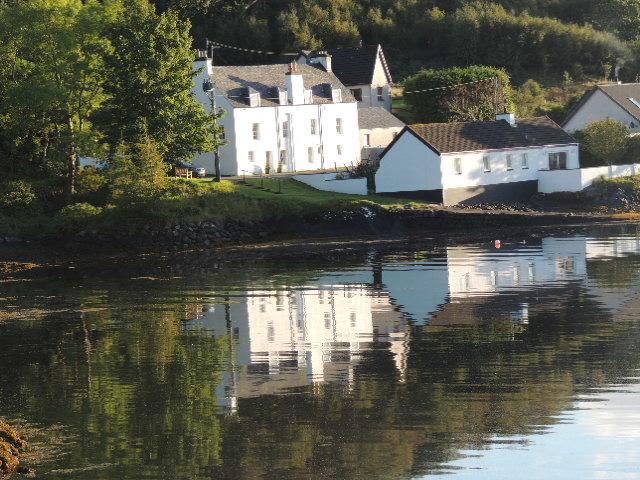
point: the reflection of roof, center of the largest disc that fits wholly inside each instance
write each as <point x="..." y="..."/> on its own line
<point x="377" y="117"/>
<point x="233" y="81"/>
<point x="620" y="94"/>
<point x="491" y="135"/>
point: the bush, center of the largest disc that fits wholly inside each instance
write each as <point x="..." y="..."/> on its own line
<point x="606" y="140"/>
<point x="17" y="196"/>
<point x="91" y="185"/>
<point x="78" y="216"/>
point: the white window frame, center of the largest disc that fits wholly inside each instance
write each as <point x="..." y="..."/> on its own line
<point x="367" y="139"/>
<point x="311" y="154"/>
<point x="556" y="159"/>
<point x="339" y="126"/>
<point x="457" y="165"/>
<point x="380" y="91"/>
<point x="255" y="131"/>
<point x="313" y="126"/>
<point x="285" y="129"/>
<point x="251" y="156"/>
<point x="508" y="158"/>
<point x="524" y="159"/>
<point x="486" y="163"/>
<point x="339" y="149"/>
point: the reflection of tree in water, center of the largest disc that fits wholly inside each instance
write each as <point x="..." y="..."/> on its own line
<point x="140" y="392"/>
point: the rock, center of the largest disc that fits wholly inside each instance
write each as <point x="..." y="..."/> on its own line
<point x="29" y="472"/>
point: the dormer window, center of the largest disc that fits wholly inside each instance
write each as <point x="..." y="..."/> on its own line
<point x="336" y="95"/>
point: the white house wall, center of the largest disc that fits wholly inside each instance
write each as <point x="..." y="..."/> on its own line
<point x="473" y="173"/>
<point x="380" y="80"/>
<point x="409" y="165"/>
<point x="599" y="107"/>
<point x="576" y="180"/>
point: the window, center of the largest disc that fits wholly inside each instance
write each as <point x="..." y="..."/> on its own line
<point x="486" y="163"/>
<point x="367" y="140"/>
<point x="310" y="154"/>
<point x="285" y="129"/>
<point x="313" y="126"/>
<point x="251" y="157"/>
<point x="283" y="160"/>
<point x="558" y="161"/>
<point x="381" y="94"/>
<point x="339" y="148"/>
<point x="457" y="166"/>
<point x="509" y="160"/>
<point x="222" y="133"/>
<point x="338" y="125"/>
<point x="525" y="161"/>
<point x="256" y="131"/>
<point x="357" y="94"/>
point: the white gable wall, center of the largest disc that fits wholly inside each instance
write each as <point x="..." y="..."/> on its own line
<point x="380" y="80"/>
<point x="600" y="107"/>
<point x="409" y="165"/>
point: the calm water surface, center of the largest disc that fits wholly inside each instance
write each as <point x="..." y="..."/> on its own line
<point x="466" y="361"/>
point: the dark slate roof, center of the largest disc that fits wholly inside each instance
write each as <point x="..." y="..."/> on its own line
<point x="232" y="82"/>
<point x="619" y="93"/>
<point x="492" y="135"/>
<point x="377" y="117"/>
<point x="355" y="65"/>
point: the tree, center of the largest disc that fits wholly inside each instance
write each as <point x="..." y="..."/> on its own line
<point x="51" y="82"/>
<point x="458" y="94"/>
<point x="606" y="140"/>
<point x="148" y="82"/>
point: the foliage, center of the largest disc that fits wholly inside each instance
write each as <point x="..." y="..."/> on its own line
<point x="485" y="92"/>
<point x="77" y="216"/>
<point x="16" y="196"/>
<point x="606" y="140"/>
<point x="148" y="80"/>
<point x="138" y="174"/>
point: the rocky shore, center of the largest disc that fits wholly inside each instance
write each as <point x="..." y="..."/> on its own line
<point x="11" y="445"/>
<point x="362" y="220"/>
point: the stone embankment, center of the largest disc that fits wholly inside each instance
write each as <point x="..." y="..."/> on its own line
<point x="11" y="444"/>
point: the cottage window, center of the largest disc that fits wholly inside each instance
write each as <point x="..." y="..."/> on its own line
<point x="357" y="94"/>
<point x="558" y="161"/>
<point x="339" y="148"/>
<point x="313" y="126"/>
<point x="486" y="163"/>
<point x="311" y="154"/>
<point x="457" y="166"/>
<point x="256" y="131"/>
<point x="285" y="129"/>
<point x="367" y="140"/>
<point x="339" y="125"/>
<point x="509" y="160"/>
<point x="525" y="161"/>
<point x="251" y="157"/>
<point x="381" y="94"/>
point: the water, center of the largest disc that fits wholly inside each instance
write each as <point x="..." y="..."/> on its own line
<point x="391" y="363"/>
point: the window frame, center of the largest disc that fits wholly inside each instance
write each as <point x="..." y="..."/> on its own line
<point x="255" y="131"/>
<point x="367" y="139"/>
<point x="558" y="158"/>
<point x="524" y="161"/>
<point x="311" y="158"/>
<point x="313" y="127"/>
<point x="380" y="92"/>
<point x="486" y="163"/>
<point x="339" y="125"/>
<point x="508" y="159"/>
<point x="251" y="156"/>
<point x="339" y="149"/>
<point x="457" y="165"/>
<point x="285" y="129"/>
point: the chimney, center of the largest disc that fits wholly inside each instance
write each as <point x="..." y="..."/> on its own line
<point x="323" y="58"/>
<point x="510" y="118"/>
<point x="295" y="84"/>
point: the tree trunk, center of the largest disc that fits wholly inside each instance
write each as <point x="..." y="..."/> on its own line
<point x="72" y="160"/>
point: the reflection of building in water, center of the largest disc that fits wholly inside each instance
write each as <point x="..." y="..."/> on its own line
<point x="291" y="338"/>
<point x="452" y="289"/>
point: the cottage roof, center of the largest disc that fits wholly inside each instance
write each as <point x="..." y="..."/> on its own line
<point x="377" y="117"/>
<point x="621" y="94"/>
<point x="355" y="65"/>
<point x="233" y="81"/>
<point x="491" y="135"/>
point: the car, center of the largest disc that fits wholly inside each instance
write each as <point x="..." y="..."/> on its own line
<point x="199" y="172"/>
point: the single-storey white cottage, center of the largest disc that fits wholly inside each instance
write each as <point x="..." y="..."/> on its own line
<point x="475" y="162"/>
<point x="617" y="101"/>
<point x="279" y="118"/>
<point x="378" y="128"/>
<point x="362" y="69"/>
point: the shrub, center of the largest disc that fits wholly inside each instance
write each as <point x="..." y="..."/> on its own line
<point x="78" y="216"/>
<point x="91" y="184"/>
<point x="607" y="140"/>
<point x="17" y="196"/>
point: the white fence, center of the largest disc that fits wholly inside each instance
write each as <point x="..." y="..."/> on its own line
<point x="328" y="182"/>
<point x="550" y="181"/>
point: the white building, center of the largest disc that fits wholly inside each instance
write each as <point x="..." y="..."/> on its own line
<point x="280" y="118"/>
<point x="363" y="70"/>
<point x="617" y="101"/>
<point x="475" y="162"/>
<point x="378" y="128"/>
